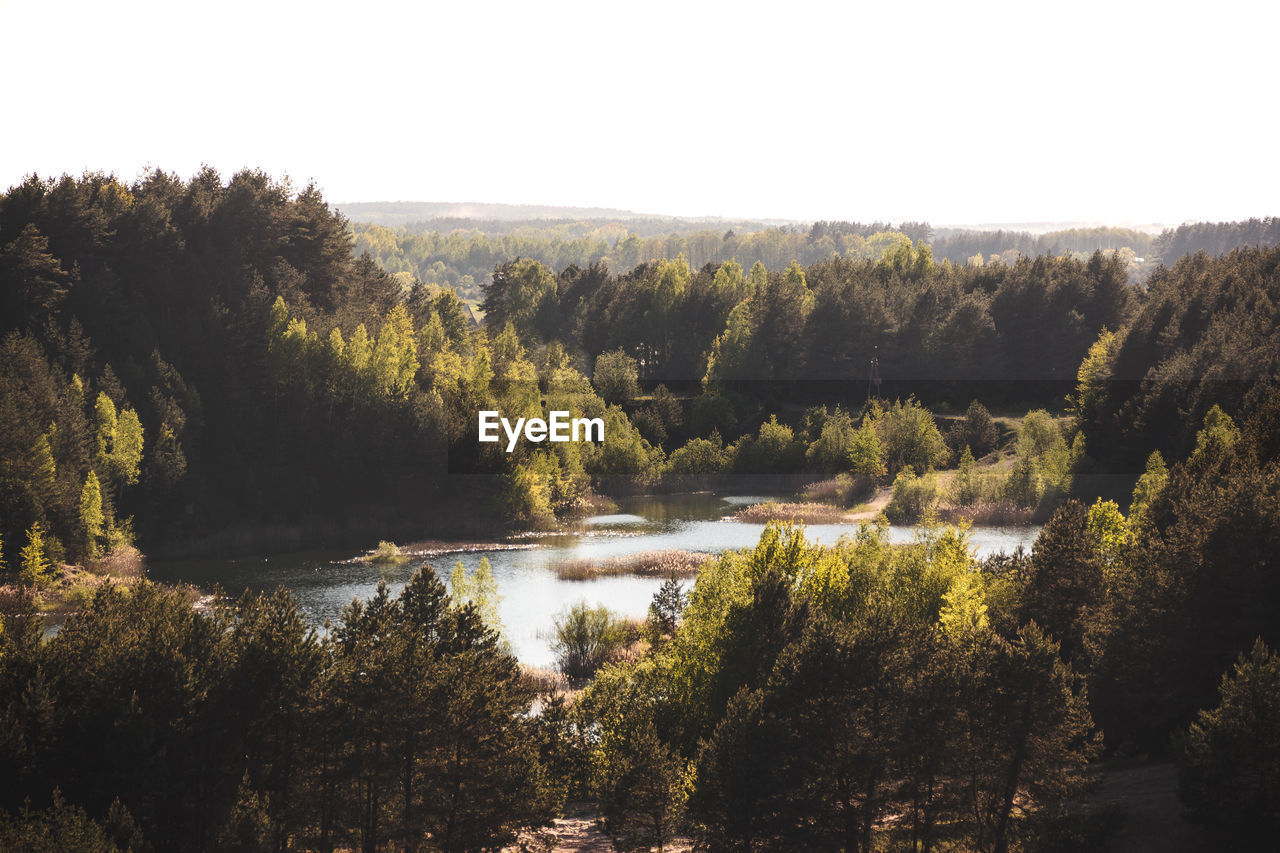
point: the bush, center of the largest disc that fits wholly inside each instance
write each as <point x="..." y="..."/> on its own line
<point x="977" y="431"/>
<point x="964" y="488"/>
<point x="913" y="496"/>
<point x="587" y="638"/>
<point x="829" y="452"/>
<point x="910" y="438"/>
<point x="387" y="552"/>
<point x="699" y="456"/>
<point x="616" y="377"/>
<point x="1044" y="468"/>
<point x="773" y="450"/>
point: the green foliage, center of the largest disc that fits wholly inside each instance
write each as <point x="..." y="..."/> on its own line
<point x="1045" y="465"/>
<point x="407" y="722"/>
<point x="120" y="441"/>
<point x="59" y="828"/>
<point x="1066" y="581"/>
<point x="643" y="786"/>
<point x="977" y="431"/>
<point x="586" y="639"/>
<point x="521" y="292"/>
<point x="1091" y="378"/>
<point x="1229" y="759"/>
<point x="913" y="497"/>
<point x="866" y="455"/>
<point x="666" y="608"/>
<point x="829" y="453"/>
<point x="480" y="590"/>
<point x="772" y="450"/>
<point x="526" y="497"/>
<point x="34" y="566"/>
<point x="964" y="488"/>
<point x="730" y="357"/>
<point x="616" y="377"/>
<point x="91" y="518"/>
<point x="387" y="552"/>
<point x="1147" y="488"/>
<point x="820" y="689"/>
<point x="248" y="826"/>
<point x="1202" y="338"/>
<point x="698" y="456"/>
<point x="1218" y="435"/>
<point x="910" y="438"/>
<point x="1110" y="530"/>
<point x="1196" y="555"/>
<point x="624" y="451"/>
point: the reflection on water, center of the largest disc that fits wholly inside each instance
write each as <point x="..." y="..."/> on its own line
<point x="531" y="593"/>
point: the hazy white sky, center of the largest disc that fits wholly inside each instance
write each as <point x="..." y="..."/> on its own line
<point x="952" y="112"/>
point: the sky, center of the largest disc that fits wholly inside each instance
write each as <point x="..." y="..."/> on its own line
<point x="953" y="113"/>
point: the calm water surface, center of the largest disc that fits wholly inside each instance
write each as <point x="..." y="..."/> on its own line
<point x="532" y="595"/>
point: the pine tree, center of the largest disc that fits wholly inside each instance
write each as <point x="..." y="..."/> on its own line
<point x="35" y="568"/>
<point x="1230" y="757"/>
<point x="1146" y="489"/>
<point x="91" y="519"/>
<point x="965" y="492"/>
<point x="665" y="609"/>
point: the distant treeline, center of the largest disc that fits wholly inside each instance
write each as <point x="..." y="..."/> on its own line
<point x="961" y="245"/>
<point x="460" y="252"/>
<point x="1216" y="238"/>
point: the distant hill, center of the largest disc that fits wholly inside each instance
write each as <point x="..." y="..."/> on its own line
<point x="445" y="216"/>
<point x="405" y="212"/>
<point x="1039" y="228"/>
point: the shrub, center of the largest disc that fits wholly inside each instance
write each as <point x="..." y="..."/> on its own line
<point x="913" y="496"/>
<point x="387" y="552"/>
<point x="1045" y="464"/>
<point x="910" y="438"/>
<point x="829" y="452"/>
<point x="773" y="450"/>
<point x="616" y="377"/>
<point x="977" y="431"/>
<point x="587" y="638"/>
<point x="699" y="456"/>
<point x="964" y="488"/>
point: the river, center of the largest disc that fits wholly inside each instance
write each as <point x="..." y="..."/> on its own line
<point x="532" y="594"/>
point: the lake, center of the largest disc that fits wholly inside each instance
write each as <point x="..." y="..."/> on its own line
<point x="532" y="595"/>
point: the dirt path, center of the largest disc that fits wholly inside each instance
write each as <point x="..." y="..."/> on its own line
<point x="873" y="507"/>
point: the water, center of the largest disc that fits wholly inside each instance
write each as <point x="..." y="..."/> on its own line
<point x="532" y="595"/>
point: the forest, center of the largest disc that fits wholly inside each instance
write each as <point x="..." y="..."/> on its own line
<point x="226" y="365"/>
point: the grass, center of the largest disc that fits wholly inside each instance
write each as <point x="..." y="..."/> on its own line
<point x="74" y="586"/>
<point x="539" y="679"/>
<point x="987" y="514"/>
<point x="808" y="513"/>
<point x="672" y="563"/>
